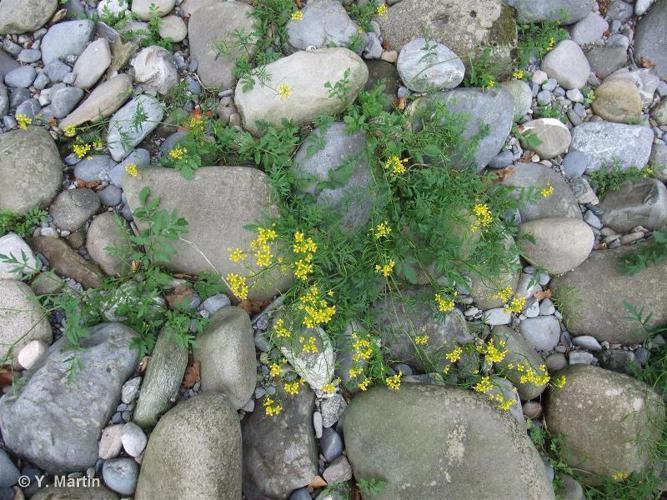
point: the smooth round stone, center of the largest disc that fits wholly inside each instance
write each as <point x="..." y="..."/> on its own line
<point x="134" y="440"/>
<point x="580" y="358"/>
<point x="120" y="475"/>
<point x="547" y="308"/>
<point x="532" y="409"/>
<point x="68" y="38"/>
<point x="300" y="494"/>
<point x="554" y="137"/>
<point x="142" y="8"/>
<point x="590" y="29"/>
<point x="72" y="208"/>
<point x="30" y="108"/>
<point x="110" y="442"/>
<point x="555" y="362"/>
<point x="64" y="100"/>
<point x="542" y="332"/>
<point x="568" y="65"/>
<point x="9" y="474"/>
<point x="21" y="77"/>
<point x="575" y="164"/>
<point x="94" y="168"/>
<point x="429" y="66"/>
<point x="587" y="342"/>
<point x="521" y="94"/>
<point x="618" y="101"/>
<point x="216" y="302"/>
<point x="110" y="196"/>
<point x="331" y="444"/>
<point x="173" y="28"/>
<point x="57" y="71"/>
<point x="29" y="56"/>
<point x="32" y="353"/>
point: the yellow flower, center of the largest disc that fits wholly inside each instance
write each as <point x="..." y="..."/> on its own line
<point x="491" y="84"/>
<point x="23" y="121"/>
<point x="364" y="385"/>
<point x="552" y="42"/>
<point x="238" y="285"/>
<point x="70" y="131"/>
<point x="483" y="217"/>
<point x="284" y="91"/>
<point x="177" y="153"/>
<point x="281" y="330"/>
<point x="131" y="170"/>
<point x="395" y="165"/>
<point x="421" y="339"/>
<point x="516" y="306"/>
<point x="386" y="269"/>
<point x="382" y="230"/>
<point x="518" y="74"/>
<point x="271" y="408"/>
<point x="560" y="381"/>
<point x="394" y="382"/>
<point x="381" y="10"/>
<point x="547" y="191"/>
<point x="363" y="349"/>
<point x="455" y="355"/>
<point x="329" y="389"/>
<point x="297" y="15"/>
<point x="316" y="310"/>
<point x="620" y="476"/>
<point x="495" y="354"/>
<point x="504" y="295"/>
<point x="236" y="255"/>
<point x="303" y="268"/>
<point x="445" y="304"/>
<point x="291" y="388"/>
<point x="303" y="244"/>
<point x="275" y="370"/>
<point x="506" y="404"/>
<point x="81" y="150"/>
<point x="354" y="372"/>
<point x="310" y="346"/>
<point x="483" y="386"/>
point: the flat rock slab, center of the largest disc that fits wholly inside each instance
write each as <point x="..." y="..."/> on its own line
<point x="592" y="298"/>
<point x="217" y="203"/>
<point x="430" y="441"/>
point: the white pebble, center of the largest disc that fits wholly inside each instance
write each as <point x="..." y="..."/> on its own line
<point x="497" y="316"/>
<point x="31" y="353"/>
<point x="110" y="442"/>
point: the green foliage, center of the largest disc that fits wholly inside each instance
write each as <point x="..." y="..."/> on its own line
<point x="536" y="39"/>
<point x="611" y="178"/>
<point x="645" y="255"/>
<point x="23" y="225"/>
<point x="550" y="111"/>
<point x="362" y="13"/>
<point x="146" y="37"/>
<point x="371" y="487"/>
<point x="485" y="70"/>
<point x="528" y="138"/>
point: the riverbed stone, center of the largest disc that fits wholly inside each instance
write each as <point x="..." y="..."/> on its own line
<point x="124" y="134"/>
<point x="651" y="36"/>
<point x="618" y="101"/>
<point x="23" y="16"/>
<point x="636" y="203"/>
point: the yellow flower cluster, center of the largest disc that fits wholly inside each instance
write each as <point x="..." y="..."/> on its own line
<point x="530" y="375"/>
<point x="381" y="10"/>
<point x="271" y="408"/>
<point x="382" y="230"/>
<point x="394" y="382"/>
<point x="261" y="246"/>
<point x="284" y="91"/>
<point x="493" y="353"/>
<point x="421" y="339"/>
<point x="559" y="382"/>
<point x="305" y="247"/>
<point x="317" y="310"/>
<point x="131" y="170"/>
<point x="177" y="153"/>
<point x="297" y="15"/>
<point x="518" y="74"/>
<point x="454" y="355"/>
<point x="501" y="402"/>
<point x="504" y="294"/>
<point x="483" y="386"/>
<point x="238" y="285"/>
<point x="385" y="269"/>
<point x="197" y="124"/>
<point x="236" y="255"/>
<point x="516" y="305"/>
<point x="547" y="191"/>
<point x="281" y="330"/>
<point x="552" y="42"/>
<point x="483" y="217"/>
<point x="620" y="476"/>
<point x="81" y="150"/>
<point x="309" y="346"/>
<point x="364" y="384"/>
<point x="491" y="84"/>
<point x="292" y="388"/>
<point x="395" y="165"/>
<point x="70" y="131"/>
<point x="446" y="304"/>
<point x="275" y="370"/>
<point x="329" y="389"/>
<point x="23" y="121"/>
<point x="362" y="348"/>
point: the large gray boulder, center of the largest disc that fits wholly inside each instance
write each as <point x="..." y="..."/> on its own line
<point x="436" y="442"/>
<point x="636" y="203"/>
<point x="551" y="10"/>
<point x="651" y="38"/>
<point x="325" y="23"/>
<point x="593" y="297"/>
<point x="226" y="353"/>
<point x="159" y="388"/>
<point x="401" y="317"/>
<point x="212" y="42"/>
<point x="465" y="27"/>
<point x="608" y="144"/>
<point x="308" y="97"/>
<point x="22" y="319"/>
<point x="561" y="203"/>
<point x="610" y="422"/>
<point x="228" y="197"/>
<point x="279" y="452"/>
<point x="22" y="16"/>
<point x="194" y="452"/>
<point x="556" y="244"/>
<point x="56" y="424"/>
<point x="30" y="169"/>
<point x="490" y="110"/>
<point x="332" y="165"/>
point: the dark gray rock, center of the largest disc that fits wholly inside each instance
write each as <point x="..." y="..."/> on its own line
<point x="279" y="452"/>
<point x="543" y="10"/>
<point x="72" y="208"/>
<point x="651" y="38"/>
<point x="325" y="23"/>
<point x="9" y="474"/>
<point x="56" y="425"/>
<point x="605" y="59"/>
<point x="120" y="474"/>
<point x="64" y="100"/>
<point x="636" y="203"/>
<point x="66" y="39"/>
